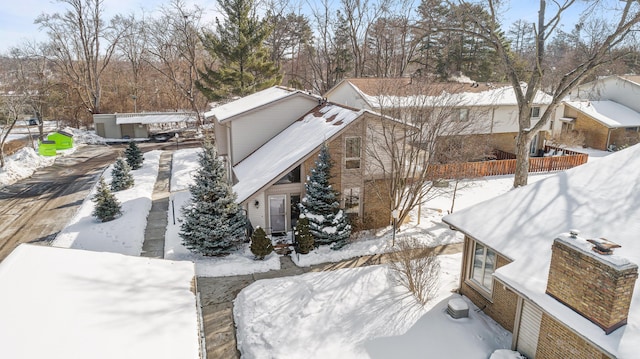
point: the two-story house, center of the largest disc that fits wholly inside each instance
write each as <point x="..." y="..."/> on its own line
<point x="541" y="262"/>
<point x="606" y="112"/>
<point x="272" y="139"/>
<point x="490" y="110"/>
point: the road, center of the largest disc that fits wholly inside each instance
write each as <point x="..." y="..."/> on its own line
<point x="34" y="210"/>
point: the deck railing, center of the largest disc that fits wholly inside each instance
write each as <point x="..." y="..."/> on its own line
<point x="568" y="159"/>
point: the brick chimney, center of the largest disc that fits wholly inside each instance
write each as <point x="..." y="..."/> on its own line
<point x="597" y="286"/>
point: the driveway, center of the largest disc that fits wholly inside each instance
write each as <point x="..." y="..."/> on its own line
<point x="34" y="210"/>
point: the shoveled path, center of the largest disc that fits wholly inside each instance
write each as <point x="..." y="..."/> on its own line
<point x="153" y="245"/>
<point x="218" y="293"/>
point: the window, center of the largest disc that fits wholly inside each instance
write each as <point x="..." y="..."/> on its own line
<point x="483" y="266"/>
<point x="352" y="201"/>
<point x="291" y="177"/>
<point x="352" y="152"/>
<point x="463" y="114"/>
<point x="535" y="112"/>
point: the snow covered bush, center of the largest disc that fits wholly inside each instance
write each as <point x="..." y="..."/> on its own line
<point x="260" y="244"/>
<point x="134" y="156"/>
<point x="121" y="177"/>
<point x="416" y="268"/>
<point x="213" y="223"/>
<point x="107" y="205"/>
<point x="327" y="222"/>
<point x="304" y="238"/>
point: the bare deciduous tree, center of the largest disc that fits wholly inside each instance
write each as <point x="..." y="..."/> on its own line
<point x="624" y="15"/>
<point x="81" y="44"/>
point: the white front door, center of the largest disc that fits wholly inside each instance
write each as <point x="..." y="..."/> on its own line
<point x="278" y="213"/>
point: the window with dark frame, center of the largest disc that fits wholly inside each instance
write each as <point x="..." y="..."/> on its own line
<point x="291" y="177"/>
<point x="352" y="152"/>
<point x="535" y="112"/>
<point x="352" y="200"/>
<point x="483" y="266"/>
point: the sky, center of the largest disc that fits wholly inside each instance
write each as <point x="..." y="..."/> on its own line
<point x="17" y="16"/>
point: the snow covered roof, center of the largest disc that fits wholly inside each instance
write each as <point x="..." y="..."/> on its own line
<point x="289" y="147"/>
<point x="609" y="113"/>
<point x="67" y="303"/>
<point x="600" y="198"/>
<point x="224" y="112"/>
<point x="154" y="117"/>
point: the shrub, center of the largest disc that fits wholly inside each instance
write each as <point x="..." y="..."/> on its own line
<point x="134" y="156"/>
<point x="304" y="238"/>
<point x="416" y="268"/>
<point x="121" y="177"/>
<point x="107" y="205"/>
<point x="260" y="244"/>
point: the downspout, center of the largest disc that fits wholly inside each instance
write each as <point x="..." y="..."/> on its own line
<point x="606" y="147"/>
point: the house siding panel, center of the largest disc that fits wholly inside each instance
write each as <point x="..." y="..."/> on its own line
<point x="503" y="304"/>
<point x="595" y="133"/>
<point x="558" y="342"/>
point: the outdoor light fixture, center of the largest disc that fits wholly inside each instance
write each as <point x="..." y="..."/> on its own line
<point x="256" y="203"/>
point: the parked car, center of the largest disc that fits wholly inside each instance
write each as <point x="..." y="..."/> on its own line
<point x="32" y="122"/>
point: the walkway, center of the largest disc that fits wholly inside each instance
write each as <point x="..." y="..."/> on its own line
<point x="218" y="293"/>
<point x="153" y="245"/>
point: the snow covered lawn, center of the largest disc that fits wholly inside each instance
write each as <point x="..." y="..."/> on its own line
<point x="185" y="163"/>
<point x="62" y="303"/>
<point x="359" y="313"/>
<point x="125" y="234"/>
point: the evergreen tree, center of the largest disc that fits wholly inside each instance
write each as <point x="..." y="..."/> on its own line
<point x="121" y="177"/>
<point x="244" y="66"/>
<point x="260" y="244"/>
<point x="327" y="222"/>
<point x="214" y="223"/>
<point x="107" y="206"/>
<point x="304" y="238"/>
<point x="134" y="156"/>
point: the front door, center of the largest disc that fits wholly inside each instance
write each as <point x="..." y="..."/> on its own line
<point x="277" y="213"/>
<point x="127" y="131"/>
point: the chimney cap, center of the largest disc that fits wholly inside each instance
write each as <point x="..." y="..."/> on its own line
<point x="603" y="246"/>
<point x="574" y="233"/>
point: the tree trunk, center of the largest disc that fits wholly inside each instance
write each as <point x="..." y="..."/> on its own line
<point x="522" y="159"/>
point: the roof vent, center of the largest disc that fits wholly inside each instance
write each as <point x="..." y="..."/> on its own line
<point x="573" y="233"/>
<point x="603" y="246"/>
<point x="458" y="308"/>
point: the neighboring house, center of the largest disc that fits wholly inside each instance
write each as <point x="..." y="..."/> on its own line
<point x="491" y="107"/>
<point x="558" y="297"/>
<point x="243" y="125"/>
<point x="139" y="125"/>
<point x="605" y="124"/>
<point x="606" y="112"/>
<point x="270" y="181"/>
<point x="69" y="303"/>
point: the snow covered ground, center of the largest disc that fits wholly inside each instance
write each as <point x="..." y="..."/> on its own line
<point x="359" y="313"/>
<point x="124" y="234"/>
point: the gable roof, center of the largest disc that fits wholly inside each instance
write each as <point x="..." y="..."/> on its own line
<point x="289" y="147"/>
<point x="635" y="79"/>
<point x="154" y="117"/>
<point x="600" y="198"/>
<point x="609" y="113"/>
<point x="407" y="92"/>
<point x="224" y="113"/>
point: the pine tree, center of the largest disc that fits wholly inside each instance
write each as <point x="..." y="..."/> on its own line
<point x="107" y="206"/>
<point x="214" y="223"/>
<point x="304" y="238"/>
<point x="244" y="66"/>
<point x="260" y="244"/>
<point x="134" y="156"/>
<point x="327" y="222"/>
<point x="121" y="177"/>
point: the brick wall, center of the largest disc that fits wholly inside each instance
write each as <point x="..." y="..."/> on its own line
<point x="556" y="341"/>
<point x="503" y="303"/>
<point x="594" y="288"/>
<point x="595" y="133"/>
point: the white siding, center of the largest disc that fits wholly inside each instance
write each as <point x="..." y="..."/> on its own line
<point x="529" y="330"/>
<point x="345" y="94"/>
<point x="256" y="214"/>
<point x="610" y="88"/>
<point x="251" y="130"/>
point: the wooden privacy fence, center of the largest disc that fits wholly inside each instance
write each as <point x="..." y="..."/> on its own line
<point x="569" y="159"/>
